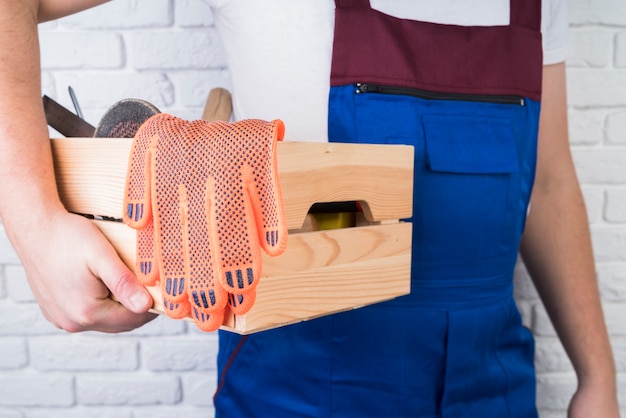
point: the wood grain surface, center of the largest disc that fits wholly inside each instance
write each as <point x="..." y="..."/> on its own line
<point x="321" y="272"/>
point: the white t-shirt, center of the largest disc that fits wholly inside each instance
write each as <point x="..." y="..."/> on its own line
<point x="279" y="51"/>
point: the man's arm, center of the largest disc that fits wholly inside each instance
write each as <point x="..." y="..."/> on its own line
<point x="69" y="264"/>
<point x="55" y="9"/>
<point x="556" y="248"/>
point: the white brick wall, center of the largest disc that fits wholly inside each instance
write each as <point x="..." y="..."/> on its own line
<point x="169" y="53"/>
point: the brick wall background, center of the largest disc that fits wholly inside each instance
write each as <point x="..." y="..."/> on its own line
<point x="169" y="53"/>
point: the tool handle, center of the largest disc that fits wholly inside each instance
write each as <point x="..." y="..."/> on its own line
<point x="218" y="106"/>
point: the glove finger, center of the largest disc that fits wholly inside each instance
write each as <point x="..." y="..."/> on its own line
<point x="208" y="322"/>
<point x="176" y="310"/>
<point x="145" y="268"/>
<point x="231" y="230"/>
<point x="205" y="293"/>
<point x="241" y="271"/>
<point x="167" y="213"/>
<point x="264" y="187"/>
<point x="241" y="303"/>
<point x="248" y="201"/>
<point x="268" y="204"/>
<point x="137" y="211"/>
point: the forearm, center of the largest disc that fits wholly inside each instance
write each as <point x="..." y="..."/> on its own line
<point x="27" y="191"/>
<point x="28" y="187"/>
<point x="557" y="251"/>
<point x="55" y="9"/>
<point x="556" y="246"/>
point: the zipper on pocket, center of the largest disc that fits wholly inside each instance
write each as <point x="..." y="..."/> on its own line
<point x="361" y="88"/>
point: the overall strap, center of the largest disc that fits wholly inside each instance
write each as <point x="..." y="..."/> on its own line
<point x="526" y="13"/>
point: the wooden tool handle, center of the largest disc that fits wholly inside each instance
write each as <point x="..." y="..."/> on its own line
<point x="218" y="106"/>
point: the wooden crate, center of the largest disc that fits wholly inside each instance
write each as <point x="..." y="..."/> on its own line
<point x="321" y="272"/>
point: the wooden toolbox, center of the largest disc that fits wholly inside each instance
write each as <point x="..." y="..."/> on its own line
<point x="322" y="271"/>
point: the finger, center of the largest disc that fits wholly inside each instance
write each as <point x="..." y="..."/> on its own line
<point x="138" y="212"/>
<point x="137" y="193"/>
<point x="231" y="231"/>
<point x="176" y="310"/>
<point x="205" y="294"/>
<point x="168" y="215"/>
<point x="208" y="322"/>
<point x="106" y="315"/>
<point x="243" y="270"/>
<point x="146" y="264"/>
<point x="116" y="318"/>
<point x="142" y="217"/>
<point x="265" y="192"/>
<point x="120" y="281"/>
<point x="241" y="304"/>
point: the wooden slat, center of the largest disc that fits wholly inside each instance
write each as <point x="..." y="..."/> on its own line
<point x="91" y="173"/>
<point x="320" y="273"/>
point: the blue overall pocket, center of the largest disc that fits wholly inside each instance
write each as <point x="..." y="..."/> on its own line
<point x="474" y="169"/>
<point x="463" y="211"/>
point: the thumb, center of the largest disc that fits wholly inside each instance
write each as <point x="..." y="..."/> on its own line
<point x="125" y="287"/>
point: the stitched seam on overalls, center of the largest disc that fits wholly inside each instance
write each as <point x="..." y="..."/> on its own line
<point x="230" y="361"/>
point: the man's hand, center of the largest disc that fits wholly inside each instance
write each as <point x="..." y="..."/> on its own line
<point x="594" y="401"/>
<point x="71" y="267"/>
<point x="69" y="263"/>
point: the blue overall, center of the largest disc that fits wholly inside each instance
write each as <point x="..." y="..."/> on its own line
<point x="467" y="99"/>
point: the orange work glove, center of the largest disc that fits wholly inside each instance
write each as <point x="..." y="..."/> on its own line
<point x="205" y="197"/>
